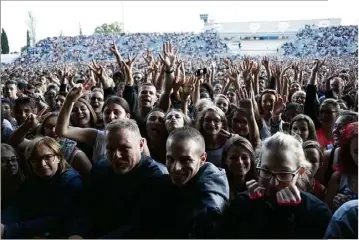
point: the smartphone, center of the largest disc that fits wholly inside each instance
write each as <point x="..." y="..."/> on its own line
<point x="200" y="72"/>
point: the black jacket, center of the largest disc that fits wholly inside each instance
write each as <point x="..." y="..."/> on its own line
<point x="116" y="198"/>
<point x="260" y="218"/>
<point x="191" y="211"/>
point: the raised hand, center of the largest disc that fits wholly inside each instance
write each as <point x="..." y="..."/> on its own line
<point x="188" y="87"/>
<point x="340" y="199"/>
<point x="76" y="93"/>
<point x="169" y="55"/>
<point x="31" y="121"/>
<point x="289" y="196"/>
<point x="265" y="62"/>
<point x="114" y="49"/>
<point x="279" y="105"/>
<point x="148" y="57"/>
<point x="317" y="65"/>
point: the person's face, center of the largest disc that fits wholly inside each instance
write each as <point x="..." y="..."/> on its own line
<point x="147" y="96"/>
<point x="6" y="110"/>
<point x="222" y="104"/>
<point x="267" y="102"/>
<point x="240" y="124"/>
<point x="138" y="78"/>
<point x="338" y="129"/>
<point x="45" y="162"/>
<point x="238" y="161"/>
<point x="9" y="163"/>
<point x="173" y="120"/>
<point x="124" y="150"/>
<point x="262" y="85"/>
<point x="301" y="128"/>
<point x="232" y="97"/>
<point x="80" y="114"/>
<point x="97" y="101"/>
<point x="59" y="101"/>
<point x="183" y="160"/>
<point x="10" y="91"/>
<point x="217" y="88"/>
<point x="327" y="114"/>
<point x="312" y="155"/>
<point x="22" y="112"/>
<point x="300" y="99"/>
<point x="113" y="111"/>
<point x="120" y="89"/>
<point x="354" y="149"/>
<point x="49" y="127"/>
<point x="282" y="165"/>
<point x="155" y="124"/>
<point x="294" y="88"/>
<point x="336" y="85"/>
<point x="51" y="97"/>
<point x="212" y="123"/>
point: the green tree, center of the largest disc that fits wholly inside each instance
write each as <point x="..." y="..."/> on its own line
<point x="112" y="28"/>
<point x="28" y="39"/>
<point x="31" y="24"/>
<point x="4" y="43"/>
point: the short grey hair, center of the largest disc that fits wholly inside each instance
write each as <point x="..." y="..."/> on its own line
<point x="128" y="124"/>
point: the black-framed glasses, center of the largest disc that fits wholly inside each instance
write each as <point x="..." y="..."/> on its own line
<point x="48" y="158"/>
<point x="280" y="176"/>
<point x="8" y="160"/>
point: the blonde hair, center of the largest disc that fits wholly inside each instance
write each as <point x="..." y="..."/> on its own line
<point x="51" y="144"/>
<point x="281" y="141"/>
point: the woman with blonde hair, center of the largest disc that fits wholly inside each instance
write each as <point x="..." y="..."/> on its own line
<point x="47" y="202"/>
<point x="275" y="206"/>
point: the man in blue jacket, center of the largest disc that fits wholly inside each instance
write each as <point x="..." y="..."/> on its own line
<point x="189" y="202"/>
<point x="118" y="184"/>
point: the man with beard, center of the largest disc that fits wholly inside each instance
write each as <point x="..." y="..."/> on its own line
<point x="118" y="184"/>
<point x="188" y="202"/>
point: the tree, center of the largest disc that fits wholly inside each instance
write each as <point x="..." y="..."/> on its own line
<point x="28" y="39"/>
<point x="80" y="29"/>
<point x="4" y="43"/>
<point x="112" y="28"/>
<point x="31" y="24"/>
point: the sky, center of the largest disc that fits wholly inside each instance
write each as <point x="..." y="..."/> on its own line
<point x="54" y="17"/>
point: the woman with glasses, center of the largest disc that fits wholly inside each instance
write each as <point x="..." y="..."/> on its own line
<point x="47" y="202"/>
<point x="210" y="123"/>
<point x="274" y="207"/>
<point x="343" y="185"/>
<point x="11" y="174"/>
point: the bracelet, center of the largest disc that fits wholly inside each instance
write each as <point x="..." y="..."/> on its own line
<point x="170" y="71"/>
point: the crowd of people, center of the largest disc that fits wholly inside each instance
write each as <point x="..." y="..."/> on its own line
<point x="324" y="41"/>
<point x="177" y="142"/>
<point x="84" y="48"/>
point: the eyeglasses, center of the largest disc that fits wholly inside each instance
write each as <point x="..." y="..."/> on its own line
<point x="49" y="158"/>
<point x="216" y="121"/>
<point x="280" y="176"/>
<point x="6" y="160"/>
